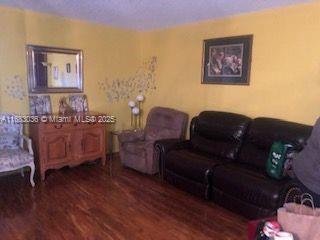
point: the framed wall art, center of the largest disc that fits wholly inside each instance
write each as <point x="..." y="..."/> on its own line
<point x="227" y="60"/>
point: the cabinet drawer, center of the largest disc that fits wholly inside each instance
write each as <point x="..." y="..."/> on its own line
<point x="87" y="125"/>
<point x="55" y="126"/>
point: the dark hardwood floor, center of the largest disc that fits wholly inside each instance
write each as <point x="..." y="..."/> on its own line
<point x="86" y="203"/>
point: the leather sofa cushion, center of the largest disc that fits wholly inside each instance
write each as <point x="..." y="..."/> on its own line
<point x="249" y="185"/>
<point x="219" y="133"/>
<point x="263" y="132"/>
<point x="190" y="164"/>
<point x="220" y="148"/>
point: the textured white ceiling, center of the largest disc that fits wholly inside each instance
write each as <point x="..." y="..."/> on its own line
<point x="147" y="14"/>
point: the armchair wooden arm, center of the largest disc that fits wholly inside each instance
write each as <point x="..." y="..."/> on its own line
<point x="28" y="141"/>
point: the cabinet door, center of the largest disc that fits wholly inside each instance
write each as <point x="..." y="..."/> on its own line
<point x="57" y="148"/>
<point x="92" y="142"/>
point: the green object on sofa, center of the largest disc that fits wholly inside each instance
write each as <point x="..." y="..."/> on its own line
<point x="277" y="158"/>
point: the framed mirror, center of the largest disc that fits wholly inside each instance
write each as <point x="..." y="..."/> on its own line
<point x="54" y="70"/>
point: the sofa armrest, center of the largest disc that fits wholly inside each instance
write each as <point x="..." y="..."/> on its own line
<point x="28" y="141"/>
<point x="166" y="145"/>
<point x="162" y="147"/>
<point x="131" y="136"/>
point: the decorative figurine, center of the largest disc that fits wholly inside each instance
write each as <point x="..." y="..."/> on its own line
<point x="64" y="107"/>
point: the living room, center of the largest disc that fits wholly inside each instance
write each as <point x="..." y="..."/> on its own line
<point x="164" y="54"/>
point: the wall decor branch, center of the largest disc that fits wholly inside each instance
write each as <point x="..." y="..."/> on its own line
<point x="14" y="87"/>
<point x="142" y="82"/>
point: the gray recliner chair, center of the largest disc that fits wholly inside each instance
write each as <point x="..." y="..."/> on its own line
<point x="137" y="146"/>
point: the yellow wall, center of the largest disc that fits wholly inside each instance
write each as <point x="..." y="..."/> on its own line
<point x="285" y="70"/>
<point x="12" y="56"/>
<point x="108" y="52"/>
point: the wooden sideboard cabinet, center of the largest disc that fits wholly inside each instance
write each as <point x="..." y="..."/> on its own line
<point x="69" y="142"/>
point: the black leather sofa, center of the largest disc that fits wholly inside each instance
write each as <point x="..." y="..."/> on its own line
<point x="225" y="159"/>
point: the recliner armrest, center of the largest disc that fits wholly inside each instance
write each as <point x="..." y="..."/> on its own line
<point x="162" y="147"/>
<point x="131" y="136"/>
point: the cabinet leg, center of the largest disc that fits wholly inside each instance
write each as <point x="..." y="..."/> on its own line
<point x="110" y="163"/>
<point x="43" y="175"/>
<point x="103" y="160"/>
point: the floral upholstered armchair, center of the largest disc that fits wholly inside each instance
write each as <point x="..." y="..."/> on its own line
<point x="13" y="155"/>
<point x="79" y="103"/>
